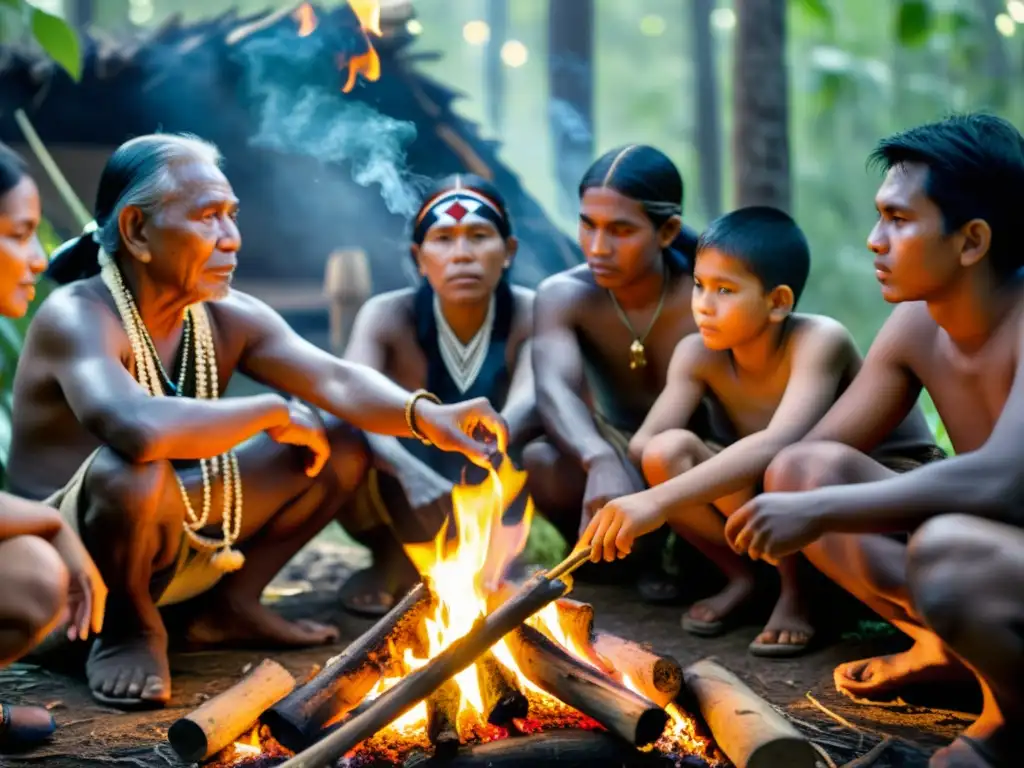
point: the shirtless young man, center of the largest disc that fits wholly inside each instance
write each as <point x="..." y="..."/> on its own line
<point x="463" y="333"/>
<point x="948" y="246"/>
<point x="604" y="333"/>
<point x="772" y="374"/>
<point x="166" y="246"/>
<point x="46" y="575"/>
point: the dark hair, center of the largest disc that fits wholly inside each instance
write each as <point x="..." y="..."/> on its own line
<point x="12" y="169"/>
<point x="767" y="241"/>
<point x="975" y="168"/>
<point x="647" y="175"/>
<point x="136" y="174"/>
<point x="468" y="181"/>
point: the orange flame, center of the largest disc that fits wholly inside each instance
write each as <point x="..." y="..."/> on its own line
<point x="365" y="64"/>
<point x="306" y="18"/>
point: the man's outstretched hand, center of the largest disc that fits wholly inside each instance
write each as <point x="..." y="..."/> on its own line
<point x="774" y="525"/>
<point x="472" y="428"/>
<point x="618" y="524"/>
<point x="87" y="593"/>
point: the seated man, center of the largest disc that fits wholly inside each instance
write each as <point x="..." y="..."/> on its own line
<point x="463" y="333"/>
<point x="772" y="374"/>
<point x="46" y="576"/>
<point x="125" y="368"/>
<point x="949" y="244"/>
<point x="604" y="334"/>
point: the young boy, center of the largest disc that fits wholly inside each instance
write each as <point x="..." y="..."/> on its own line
<point x="772" y="375"/>
<point x="949" y="247"/>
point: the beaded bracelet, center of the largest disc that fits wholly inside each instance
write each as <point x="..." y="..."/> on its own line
<point x="410" y="415"/>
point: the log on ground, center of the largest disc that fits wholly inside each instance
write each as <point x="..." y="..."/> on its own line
<point x="300" y="719"/>
<point x="225" y="717"/>
<point x="658" y="676"/>
<point x="745" y="726"/>
<point x="418" y="685"/>
<point x="629" y="715"/>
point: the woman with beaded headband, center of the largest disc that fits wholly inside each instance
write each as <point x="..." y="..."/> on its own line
<point x="462" y="333"/>
<point x="604" y="335"/>
<point x="181" y="495"/>
<point x="46" y="575"/>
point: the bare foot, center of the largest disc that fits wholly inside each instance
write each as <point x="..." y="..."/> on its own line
<point x="709" y="616"/>
<point x="131" y="672"/>
<point x="883" y="677"/>
<point x="254" y="625"/>
<point x="788" y="631"/>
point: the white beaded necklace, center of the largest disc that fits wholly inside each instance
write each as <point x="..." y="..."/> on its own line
<point x="463" y="361"/>
<point x="148" y="371"/>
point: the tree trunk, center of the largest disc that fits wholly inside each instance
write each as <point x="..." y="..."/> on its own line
<point x="571" y="88"/>
<point x="709" y="124"/>
<point x="494" y="72"/>
<point x="760" y="134"/>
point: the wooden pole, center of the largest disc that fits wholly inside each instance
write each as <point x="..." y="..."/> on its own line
<point x="623" y="712"/>
<point x="301" y="718"/>
<point x="418" y="685"/>
<point x="227" y="716"/>
<point x="656" y="676"/>
<point x="746" y="727"/>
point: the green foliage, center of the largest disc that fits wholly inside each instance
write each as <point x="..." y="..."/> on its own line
<point x="19" y="19"/>
<point x="913" y="22"/>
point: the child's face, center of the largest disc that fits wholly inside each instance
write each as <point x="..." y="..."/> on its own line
<point x="729" y="303"/>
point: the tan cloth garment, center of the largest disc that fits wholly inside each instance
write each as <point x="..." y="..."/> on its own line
<point x="194" y="574"/>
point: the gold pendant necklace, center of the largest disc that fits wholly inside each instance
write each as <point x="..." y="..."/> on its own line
<point x="637" y="350"/>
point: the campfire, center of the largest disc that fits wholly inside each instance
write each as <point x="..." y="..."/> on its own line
<point x="464" y="659"/>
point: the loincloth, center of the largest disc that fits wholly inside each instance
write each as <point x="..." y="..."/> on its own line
<point x="193" y="574"/>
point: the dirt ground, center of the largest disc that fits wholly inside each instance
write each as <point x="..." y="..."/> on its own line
<point x="92" y="736"/>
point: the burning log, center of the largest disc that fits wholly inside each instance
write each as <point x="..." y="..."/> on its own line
<point x="623" y="712"/>
<point x="443" y="718"/>
<point x="746" y="727"/>
<point x="418" y="685"/>
<point x="504" y="700"/>
<point x="657" y="676"/>
<point x="224" y="718"/>
<point x="301" y="718"/>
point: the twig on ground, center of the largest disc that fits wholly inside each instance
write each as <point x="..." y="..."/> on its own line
<point x="824" y="755"/>
<point x="838" y="718"/>
<point x="798" y="721"/>
<point x="868" y="759"/>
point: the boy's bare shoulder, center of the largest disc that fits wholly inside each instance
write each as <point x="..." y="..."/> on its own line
<point x="576" y="282"/>
<point x="822" y="333"/>
<point x="693" y="357"/>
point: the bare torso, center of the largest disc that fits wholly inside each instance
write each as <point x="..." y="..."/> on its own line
<point x="622" y="395"/>
<point x="49" y="444"/>
<point x="969" y="390"/>
<point x="748" y="402"/>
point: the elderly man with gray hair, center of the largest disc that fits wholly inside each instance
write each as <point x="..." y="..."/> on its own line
<point x="180" y="495"/>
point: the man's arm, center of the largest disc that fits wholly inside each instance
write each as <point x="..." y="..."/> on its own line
<point x="81" y="347"/>
<point x="988" y="482"/>
<point x="678" y="401"/>
<point x="558" y="367"/>
<point x="520" y="409"/>
<point x="820" y="358"/>
<point x="278" y="357"/>
<point x="881" y="394"/>
<point x="368" y="346"/>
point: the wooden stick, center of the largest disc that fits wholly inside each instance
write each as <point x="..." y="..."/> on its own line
<point x="225" y="717"/>
<point x="570" y="564"/>
<point x="46" y="160"/>
<point x="656" y="676"/>
<point x="416" y="686"/>
<point x="300" y="719"/>
<point x="623" y="712"/>
<point x="746" y="727"/>
<point x="503" y="699"/>
<point x="871" y="757"/>
<point x="443" y="718"/>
